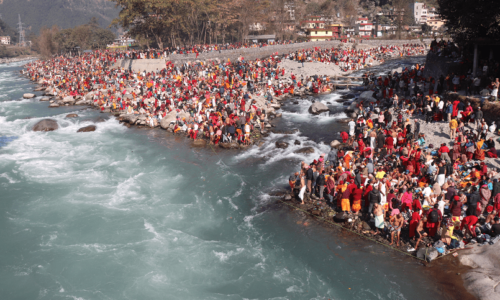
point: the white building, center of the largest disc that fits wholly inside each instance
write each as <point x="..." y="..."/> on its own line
<point x="363" y="27"/>
<point x="5" y="40"/>
<point x="420" y="12"/>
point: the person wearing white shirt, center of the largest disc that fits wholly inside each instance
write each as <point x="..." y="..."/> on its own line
<point x="352" y="126"/>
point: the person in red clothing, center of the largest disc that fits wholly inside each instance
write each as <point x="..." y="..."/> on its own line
<point x="389" y="144"/>
<point x="356" y="196"/>
<point x="434" y="218"/>
<point x="415" y="218"/>
<point x="470" y="223"/>
<point x="366" y="192"/>
<point x="444" y="149"/>
<point x="344" y="136"/>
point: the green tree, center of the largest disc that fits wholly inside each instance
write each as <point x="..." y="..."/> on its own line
<point x="467" y="20"/>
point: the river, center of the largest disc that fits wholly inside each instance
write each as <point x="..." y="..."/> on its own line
<point x="125" y="213"/>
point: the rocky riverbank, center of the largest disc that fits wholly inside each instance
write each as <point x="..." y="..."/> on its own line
<point x="16" y="59"/>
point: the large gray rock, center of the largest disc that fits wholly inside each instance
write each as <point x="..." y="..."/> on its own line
<point x="81" y="102"/>
<point x="367" y="97"/>
<point x="68" y="99"/>
<point x="334" y="144"/>
<point x="72" y="116"/>
<point x="170" y="117"/>
<point x="199" y="143"/>
<point x="398" y="70"/>
<point x="45" y="99"/>
<point x="282" y="145"/>
<point x="317" y="107"/>
<point x="305" y="150"/>
<point x="89" y="128"/>
<point x="28" y="96"/>
<point x="233" y="145"/>
<point x="46" y="125"/>
<point x="483" y="280"/>
<point x="53" y="105"/>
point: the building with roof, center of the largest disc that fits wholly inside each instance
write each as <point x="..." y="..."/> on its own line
<point x="5" y="40"/>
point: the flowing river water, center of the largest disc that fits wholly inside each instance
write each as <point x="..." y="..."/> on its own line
<point x="125" y="213"/>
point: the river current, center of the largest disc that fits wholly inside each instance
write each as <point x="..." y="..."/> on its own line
<point x="125" y="213"/>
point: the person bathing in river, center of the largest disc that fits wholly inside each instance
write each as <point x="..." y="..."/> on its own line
<point x="396" y="223"/>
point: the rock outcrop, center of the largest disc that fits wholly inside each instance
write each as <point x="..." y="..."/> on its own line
<point x="199" y="143"/>
<point x="281" y="145"/>
<point x="484" y="279"/>
<point x="367" y="97"/>
<point x="46" y="125"/>
<point x="334" y="144"/>
<point x="233" y="145"/>
<point x="89" y="128"/>
<point x="317" y="107"/>
<point x="29" y="96"/>
<point x="305" y="150"/>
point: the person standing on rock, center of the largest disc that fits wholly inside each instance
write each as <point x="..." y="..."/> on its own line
<point x="478" y="118"/>
<point x="494" y="93"/>
<point x="309" y="179"/>
<point x="332" y="157"/>
<point x="352" y="127"/>
<point x="416" y="128"/>
<point x="453" y="128"/>
<point x="396" y="223"/>
<point x="292" y="179"/>
<point x="302" y="187"/>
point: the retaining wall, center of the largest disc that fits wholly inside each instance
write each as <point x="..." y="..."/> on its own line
<point x="149" y="65"/>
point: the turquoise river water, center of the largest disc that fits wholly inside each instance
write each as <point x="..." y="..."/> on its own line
<point x="125" y="213"/>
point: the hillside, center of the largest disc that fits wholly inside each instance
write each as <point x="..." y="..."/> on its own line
<point x="7" y="30"/>
<point x="36" y="14"/>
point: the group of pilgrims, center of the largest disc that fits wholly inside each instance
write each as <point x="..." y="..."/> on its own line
<point x="384" y="169"/>
<point x="385" y="172"/>
<point x="223" y="101"/>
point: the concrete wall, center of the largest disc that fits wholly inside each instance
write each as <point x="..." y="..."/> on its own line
<point x="149" y="65"/>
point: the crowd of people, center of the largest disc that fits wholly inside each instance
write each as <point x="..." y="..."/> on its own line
<point x="385" y="171"/>
<point x="193" y="49"/>
<point x="484" y="83"/>
<point x="223" y="101"/>
<point x="353" y="59"/>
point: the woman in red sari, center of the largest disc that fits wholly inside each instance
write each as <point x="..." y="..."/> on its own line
<point x="455" y="108"/>
<point x="415" y="218"/>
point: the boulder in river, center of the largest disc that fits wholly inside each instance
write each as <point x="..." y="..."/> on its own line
<point x="72" y="116"/>
<point x="233" y="145"/>
<point x="199" y="143"/>
<point x="397" y="70"/>
<point x="45" y="99"/>
<point x="305" y="150"/>
<point x="317" y="107"/>
<point x="46" y="125"/>
<point x="29" y="96"/>
<point x="345" y="120"/>
<point x="334" y="144"/>
<point x="348" y="96"/>
<point x="297" y="142"/>
<point x="54" y="105"/>
<point x="282" y="145"/>
<point x="87" y="128"/>
<point x="367" y="97"/>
